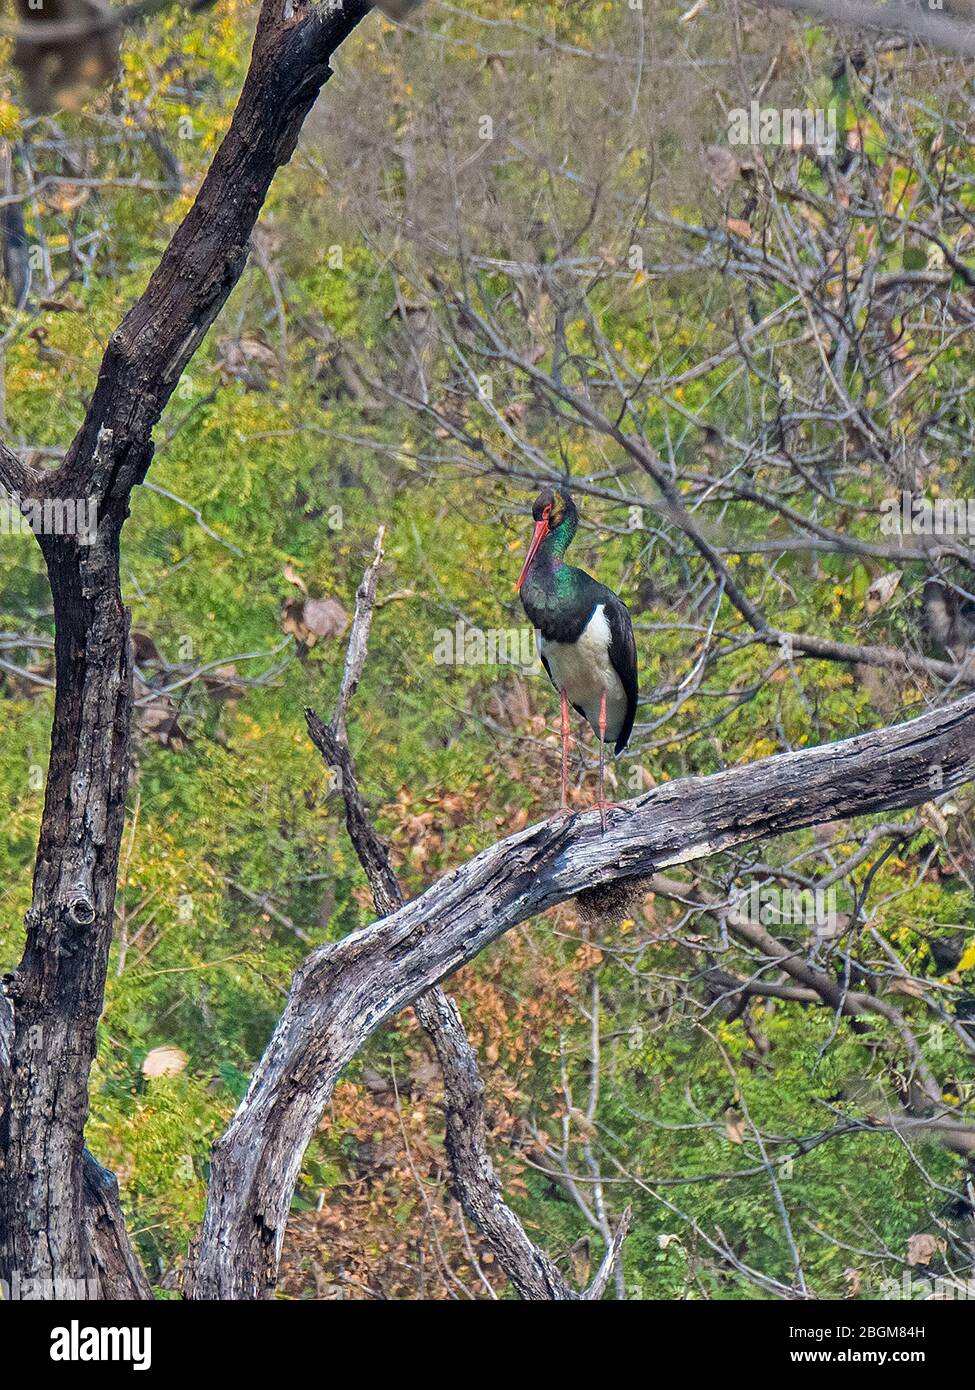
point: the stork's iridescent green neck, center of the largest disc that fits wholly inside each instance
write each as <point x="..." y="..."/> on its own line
<point x="551" y="552"/>
<point x="550" y="582"/>
<point x="546" y="582"/>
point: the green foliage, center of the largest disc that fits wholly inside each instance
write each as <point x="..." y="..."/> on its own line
<point x="235" y="860"/>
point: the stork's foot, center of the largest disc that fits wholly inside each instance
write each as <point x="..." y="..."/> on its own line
<point x="604" y="806"/>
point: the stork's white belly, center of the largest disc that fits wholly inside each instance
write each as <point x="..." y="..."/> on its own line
<point x="583" y="670"/>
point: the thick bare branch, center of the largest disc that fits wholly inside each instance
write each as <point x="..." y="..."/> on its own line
<point x="343" y="991"/>
<point x="6" y="1042"/>
<point x="355" y="654"/>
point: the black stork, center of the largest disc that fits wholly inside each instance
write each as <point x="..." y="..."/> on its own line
<point x="587" y="645"/>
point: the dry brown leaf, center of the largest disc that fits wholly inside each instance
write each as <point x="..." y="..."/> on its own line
<point x="588" y="956"/>
<point x="311" y="618"/>
<point x="144" y="648"/>
<point x="66" y="197"/>
<point x="247" y="359"/>
<point x="909" y="988"/>
<point x="721" y="166"/>
<point x="158" y="720"/>
<point x="293" y="577"/>
<point x="325" y="617"/>
<point x="223" y="683"/>
<point x="67" y="304"/>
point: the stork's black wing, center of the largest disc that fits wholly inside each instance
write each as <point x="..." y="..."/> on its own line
<point x="622" y="654"/>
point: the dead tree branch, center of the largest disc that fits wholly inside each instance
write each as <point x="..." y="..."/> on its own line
<point x="344" y="991"/>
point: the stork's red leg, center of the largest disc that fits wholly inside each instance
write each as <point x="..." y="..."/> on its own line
<point x="602" y="803"/>
<point x="564" y="803"/>
<point x="602" y="755"/>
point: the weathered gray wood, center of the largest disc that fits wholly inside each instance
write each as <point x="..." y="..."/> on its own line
<point x="6" y="1041"/>
<point x="343" y="991"/>
<point x="117" y="1273"/>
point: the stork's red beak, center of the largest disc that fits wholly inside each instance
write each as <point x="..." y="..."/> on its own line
<point x="541" y="531"/>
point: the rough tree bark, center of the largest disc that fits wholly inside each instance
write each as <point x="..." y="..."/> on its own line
<point x="56" y="992"/>
<point x="342" y="992"/>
